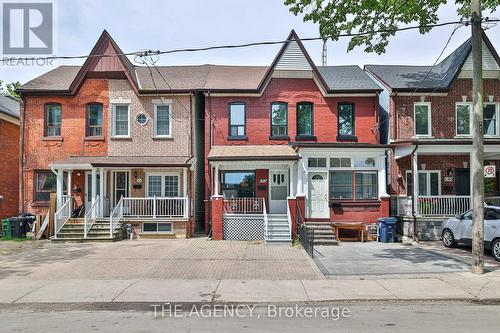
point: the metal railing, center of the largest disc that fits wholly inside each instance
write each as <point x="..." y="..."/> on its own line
<point x="115" y="217"/>
<point x="156" y="207"/>
<point x="90" y="216"/>
<point x="243" y="205"/>
<point x="289" y="218"/>
<point x="306" y="237"/>
<point x="443" y="205"/>
<point x="492" y="201"/>
<point x="266" y="222"/>
<point x="62" y="215"/>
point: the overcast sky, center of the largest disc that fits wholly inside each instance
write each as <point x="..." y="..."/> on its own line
<point x="148" y="24"/>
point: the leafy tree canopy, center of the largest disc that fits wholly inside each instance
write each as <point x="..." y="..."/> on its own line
<point x="337" y="17"/>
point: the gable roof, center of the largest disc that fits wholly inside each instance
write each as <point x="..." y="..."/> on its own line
<point x="426" y="78"/>
<point x="9" y="106"/>
<point x="217" y="78"/>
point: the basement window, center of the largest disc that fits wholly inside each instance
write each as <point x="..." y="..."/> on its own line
<point x="157" y="227"/>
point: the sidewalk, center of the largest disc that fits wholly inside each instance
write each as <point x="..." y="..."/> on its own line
<point x="458" y="287"/>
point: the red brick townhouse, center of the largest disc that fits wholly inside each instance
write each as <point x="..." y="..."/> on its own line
<point x="292" y="134"/>
<point x="429" y="115"/>
<point x="114" y="139"/>
<point x="9" y="156"/>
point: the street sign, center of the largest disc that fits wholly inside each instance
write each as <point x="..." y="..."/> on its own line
<point x="489" y="171"/>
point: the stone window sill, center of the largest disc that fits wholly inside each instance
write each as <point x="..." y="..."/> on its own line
<point x="52" y="138"/>
<point x="93" y="138"/>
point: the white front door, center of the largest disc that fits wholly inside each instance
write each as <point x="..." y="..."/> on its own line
<point x="318" y="196"/>
<point x="278" y="191"/>
<point x="88" y="188"/>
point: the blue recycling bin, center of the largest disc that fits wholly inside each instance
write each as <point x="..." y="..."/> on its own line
<point x="387" y="229"/>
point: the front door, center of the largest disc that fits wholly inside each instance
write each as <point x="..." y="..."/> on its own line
<point x="318" y="196"/>
<point x="278" y="191"/>
<point x="462" y="181"/>
<point x="88" y="189"/>
<point x="120" y="185"/>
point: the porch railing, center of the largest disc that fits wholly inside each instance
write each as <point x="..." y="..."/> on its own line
<point x="443" y="205"/>
<point x="306" y="237"/>
<point x="155" y="207"/>
<point x="244" y="205"/>
<point x="492" y="201"/>
<point x="90" y="216"/>
<point x="115" y="217"/>
<point x="62" y="215"/>
<point x="266" y="222"/>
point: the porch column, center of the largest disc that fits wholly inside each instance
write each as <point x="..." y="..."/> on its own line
<point x="101" y="192"/>
<point x="415" y="181"/>
<point x="93" y="186"/>
<point x="292" y="179"/>
<point x="59" y="187"/>
<point x="70" y="173"/>
<point x="382" y="186"/>
<point x="184" y="182"/>
<point x="300" y="175"/>
<point x="216" y="181"/>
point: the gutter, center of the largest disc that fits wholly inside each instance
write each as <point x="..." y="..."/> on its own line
<point x="21" y="160"/>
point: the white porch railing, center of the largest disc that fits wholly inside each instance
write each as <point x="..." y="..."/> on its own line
<point x="62" y="215"/>
<point x="443" y="205"/>
<point x="90" y="216"/>
<point x="115" y="217"/>
<point x="244" y="205"/>
<point x="156" y="207"/>
<point x="266" y="222"/>
<point x="492" y="201"/>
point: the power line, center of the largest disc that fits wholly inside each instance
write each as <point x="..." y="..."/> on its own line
<point x="244" y="45"/>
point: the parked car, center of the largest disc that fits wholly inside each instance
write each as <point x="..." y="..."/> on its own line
<point x="459" y="230"/>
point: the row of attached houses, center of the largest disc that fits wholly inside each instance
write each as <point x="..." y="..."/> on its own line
<point x="244" y="152"/>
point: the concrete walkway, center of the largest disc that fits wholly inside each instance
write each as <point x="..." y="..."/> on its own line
<point x="458" y="286"/>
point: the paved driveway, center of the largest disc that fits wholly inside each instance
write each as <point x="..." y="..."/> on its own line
<point x="368" y="259"/>
<point x="196" y="258"/>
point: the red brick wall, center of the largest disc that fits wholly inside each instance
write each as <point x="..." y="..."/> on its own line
<point x="291" y="91"/>
<point x="39" y="152"/>
<point x="442" y="109"/>
<point x="366" y="212"/>
<point x="9" y="164"/>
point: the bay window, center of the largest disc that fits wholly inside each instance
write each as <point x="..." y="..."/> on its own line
<point x="304" y="119"/>
<point x="422" y="118"/>
<point x="279" y="119"/>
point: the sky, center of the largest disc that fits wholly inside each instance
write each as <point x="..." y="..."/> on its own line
<point x="171" y="24"/>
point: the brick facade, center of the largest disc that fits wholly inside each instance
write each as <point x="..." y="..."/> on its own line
<point x="9" y="164"/>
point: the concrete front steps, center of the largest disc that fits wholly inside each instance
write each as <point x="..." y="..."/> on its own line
<point x="72" y="231"/>
<point x="323" y="233"/>
<point x="278" y="229"/>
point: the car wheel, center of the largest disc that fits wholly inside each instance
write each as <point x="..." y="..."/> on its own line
<point x="448" y="239"/>
<point x="495" y="249"/>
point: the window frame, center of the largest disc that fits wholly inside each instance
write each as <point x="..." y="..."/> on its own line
<point x="157" y="231"/>
<point x="469" y="104"/>
<point x="285" y="136"/>
<point x="87" y="118"/>
<point x="497" y="114"/>
<point x="297" y="119"/>
<point x="162" y="175"/>
<point x="114" y="120"/>
<point x="35" y="185"/>
<point x="429" y="117"/>
<point x="353" y="134"/>
<point x="240" y="137"/>
<point x="428" y="181"/>
<point x="248" y="171"/>
<point x="45" y="120"/>
<point x="155" y="118"/>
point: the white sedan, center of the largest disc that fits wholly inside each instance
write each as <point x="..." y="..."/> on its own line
<point x="459" y="230"/>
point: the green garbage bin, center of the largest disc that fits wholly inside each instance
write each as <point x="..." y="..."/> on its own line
<point x="6" y="229"/>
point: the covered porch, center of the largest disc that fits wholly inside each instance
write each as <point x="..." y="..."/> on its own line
<point x="434" y="180"/>
<point x="150" y="193"/>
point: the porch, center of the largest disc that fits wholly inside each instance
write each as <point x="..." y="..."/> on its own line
<point x="110" y="192"/>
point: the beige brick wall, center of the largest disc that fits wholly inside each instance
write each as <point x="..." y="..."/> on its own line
<point x="142" y="141"/>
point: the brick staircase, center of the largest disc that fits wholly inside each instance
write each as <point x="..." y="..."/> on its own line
<point x="323" y="233"/>
<point x="72" y="231"/>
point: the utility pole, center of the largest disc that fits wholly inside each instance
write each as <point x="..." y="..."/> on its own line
<point x="477" y="162"/>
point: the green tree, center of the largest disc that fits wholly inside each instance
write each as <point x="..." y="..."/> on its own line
<point x="337" y="17"/>
<point x="11" y="88"/>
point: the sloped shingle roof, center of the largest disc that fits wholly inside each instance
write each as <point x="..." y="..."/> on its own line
<point x="9" y="105"/>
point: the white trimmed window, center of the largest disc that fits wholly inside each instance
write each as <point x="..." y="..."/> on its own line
<point x="422" y="119"/>
<point x="162" y="185"/>
<point x="163" y="120"/>
<point x="490" y="119"/>
<point x="463" y="116"/>
<point x="121" y="120"/>
<point x="429" y="182"/>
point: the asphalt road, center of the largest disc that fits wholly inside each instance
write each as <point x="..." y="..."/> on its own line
<point x="368" y="317"/>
